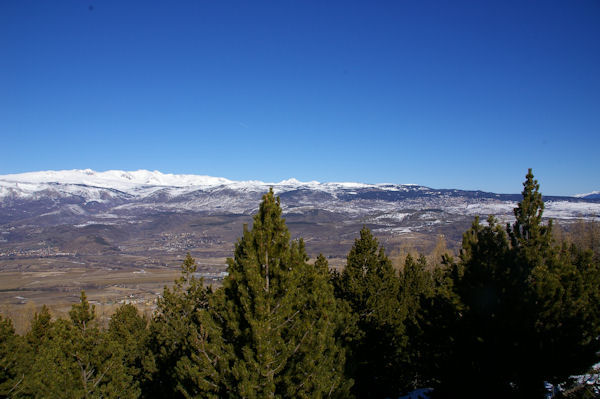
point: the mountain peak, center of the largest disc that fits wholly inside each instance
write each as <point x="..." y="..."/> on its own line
<point x="591" y="195"/>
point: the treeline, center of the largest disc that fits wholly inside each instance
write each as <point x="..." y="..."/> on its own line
<point x="512" y="311"/>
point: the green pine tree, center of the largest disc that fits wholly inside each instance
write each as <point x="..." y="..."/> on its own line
<point x="40" y="329"/>
<point x="529" y="307"/>
<point x="416" y="291"/>
<point x="11" y="360"/>
<point x="83" y="314"/>
<point x="271" y="330"/>
<point x="129" y="334"/>
<point x="370" y="286"/>
<point x="76" y="359"/>
<point x="174" y="331"/>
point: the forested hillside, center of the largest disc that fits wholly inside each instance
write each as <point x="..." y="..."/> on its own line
<point x="516" y="310"/>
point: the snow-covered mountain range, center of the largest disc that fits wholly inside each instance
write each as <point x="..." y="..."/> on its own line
<point x="119" y="190"/>
<point x="144" y="183"/>
<point x="120" y="207"/>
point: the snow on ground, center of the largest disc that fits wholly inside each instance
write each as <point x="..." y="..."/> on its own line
<point x="571" y="210"/>
<point x="392" y="217"/>
<point x="396" y="230"/>
<point x="490" y="208"/>
<point x="95" y="222"/>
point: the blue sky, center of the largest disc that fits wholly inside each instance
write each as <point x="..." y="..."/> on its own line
<point x="449" y="94"/>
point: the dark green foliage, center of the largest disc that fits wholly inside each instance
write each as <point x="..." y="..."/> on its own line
<point x="272" y="328"/>
<point x="322" y="265"/>
<point x="82" y="314"/>
<point x="416" y="284"/>
<point x="432" y="334"/>
<point x="39" y="332"/>
<point x="430" y="312"/>
<point x="370" y="286"/>
<point x="529" y="308"/>
<point x="11" y="356"/>
<point x="76" y="359"/>
<point x="29" y="348"/>
<point x="129" y="334"/>
<point x="416" y="290"/>
<point x="174" y="331"/>
<point x="528" y="232"/>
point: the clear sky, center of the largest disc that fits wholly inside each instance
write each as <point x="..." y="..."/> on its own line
<point x="448" y="94"/>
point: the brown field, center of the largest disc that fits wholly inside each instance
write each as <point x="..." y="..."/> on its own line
<point x="58" y="283"/>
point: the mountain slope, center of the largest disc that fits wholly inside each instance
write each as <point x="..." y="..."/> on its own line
<point x="132" y="211"/>
<point x="594" y="195"/>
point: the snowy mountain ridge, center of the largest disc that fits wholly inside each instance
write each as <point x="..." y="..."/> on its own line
<point x="591" y="195"/>
<point x="145" y="209"/>
<point x="115" y="192"/>
<point x="141" y="183"/>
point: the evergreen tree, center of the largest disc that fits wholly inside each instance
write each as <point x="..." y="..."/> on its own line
<point x="415" y="283"/>
<point x="83" y="314"/>
<point x="77" y="360"/>
<point x="529" y="308"/>
<point x="173" y="331"/>
<point x="416" y="289"/>
<point x="40" y="329"/>
<point x="29" y="350"/>
<point x="322" y="265"/>
<point x="487" y="328"/>
<point x="129" y="333"/>
<point x="432" y="331"/>
<point x="271" y="329"/>
<point x="370" y="286"/>
<point x="11" y="356"/>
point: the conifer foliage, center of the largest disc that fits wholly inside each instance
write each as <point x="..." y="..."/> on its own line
<point x="276" y="318"/>
<point x="529" y="308"/>
<point x="75" y="358"/>
<point x="370" y="286"/>
<point x="10" y="375"/>
<point x="173" y="334"/>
